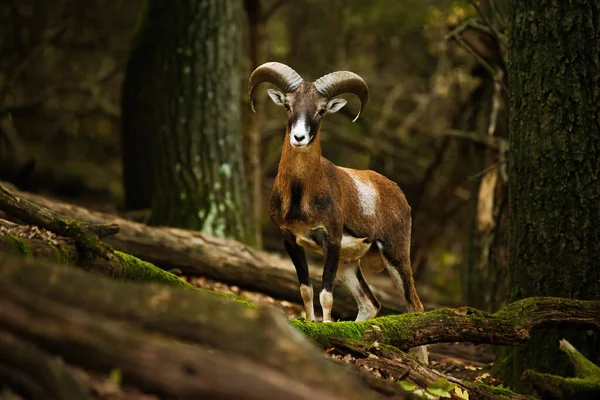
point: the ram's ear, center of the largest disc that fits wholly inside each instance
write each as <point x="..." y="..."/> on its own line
<point x="335" y="105"/>
<point x="277" y="96"/>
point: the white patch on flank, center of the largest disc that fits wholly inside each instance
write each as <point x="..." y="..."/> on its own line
<point x="326" y="299"/>
<point x="367" y="195"/>
<point x="299" y="134"/>
<point x="307" y="297"/>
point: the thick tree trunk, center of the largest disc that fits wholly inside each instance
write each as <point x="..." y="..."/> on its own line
<point x="200" y="182"/>
<point x="223" y="349"/>
<point x="555" y="164"/>
<point x="222" y="260"/>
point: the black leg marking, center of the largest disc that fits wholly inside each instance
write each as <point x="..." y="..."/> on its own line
<point x="366" y="289"/>
<point x="332" y="257"/>
<point x="298" y="257"/>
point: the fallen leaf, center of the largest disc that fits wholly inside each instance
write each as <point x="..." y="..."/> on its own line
<point x="441" y="388"/>
<point x="461" y="311"/>
<point x="406" y="385"/>
<point x="481" y="377"/>
<point x="461" y="394"/>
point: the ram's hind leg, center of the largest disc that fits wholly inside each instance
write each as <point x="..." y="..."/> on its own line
<point x="351" y="275"/>
<point x="396" y="257"/>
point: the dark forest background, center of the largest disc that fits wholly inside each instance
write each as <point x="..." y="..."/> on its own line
<point x="436" y="122"/>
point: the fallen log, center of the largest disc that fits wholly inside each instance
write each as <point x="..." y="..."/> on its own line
<point x="36" y="373"/>
<point x="509" y="326"/>
<point x="222" y="348"/>
<point x="221" y="260"/>
<point x="120" y="266"/>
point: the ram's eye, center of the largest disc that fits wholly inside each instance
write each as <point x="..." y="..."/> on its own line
<point x="322" y="112"/>
<point x="286" y="106"/>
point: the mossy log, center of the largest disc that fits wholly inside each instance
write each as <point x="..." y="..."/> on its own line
<point x="584" y="385"/>
<point x="86" y="235"/>
<point x="172" y="342"/>
<point x="222" y="260"/>
<point x="123" y="266"/>
<point x="510" y="326"/>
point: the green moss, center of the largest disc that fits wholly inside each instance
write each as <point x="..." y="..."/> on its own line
<point x="499" y="391"/>
<point x="138" y="270"/>
<point x="58" y="256"/>
<point x="64" y="254"/>
<point x="142" y="271"/>
<point x="21" y="245"/>
<point x="399" y="327"/>
<point x="552" y="386"/>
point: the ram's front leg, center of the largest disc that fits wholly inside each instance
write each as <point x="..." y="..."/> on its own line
<point x="332" y="257"/>
<point x="298" y="257"/>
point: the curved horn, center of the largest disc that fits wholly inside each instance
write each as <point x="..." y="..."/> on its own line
<point x="339" y="82"/>
<point x="280" y="75"/>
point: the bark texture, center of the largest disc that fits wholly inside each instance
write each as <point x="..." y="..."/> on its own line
<point x="554" y="170"/>
<point x="97" y="323"/>
<point x="199" y="180"/>
<point x="36" y="373"/>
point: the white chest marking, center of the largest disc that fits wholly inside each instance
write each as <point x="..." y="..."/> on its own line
<point x="367" y="195"/>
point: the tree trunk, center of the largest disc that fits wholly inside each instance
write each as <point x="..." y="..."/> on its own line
<point x="200" y="182"/>
<point x="139" y="126"/>
<point x="555" y="164"/>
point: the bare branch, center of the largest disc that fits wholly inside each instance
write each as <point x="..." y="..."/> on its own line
<point x="501" y="39"/>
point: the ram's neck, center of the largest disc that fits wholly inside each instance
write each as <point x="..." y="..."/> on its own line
<point x="303" y="163"/>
